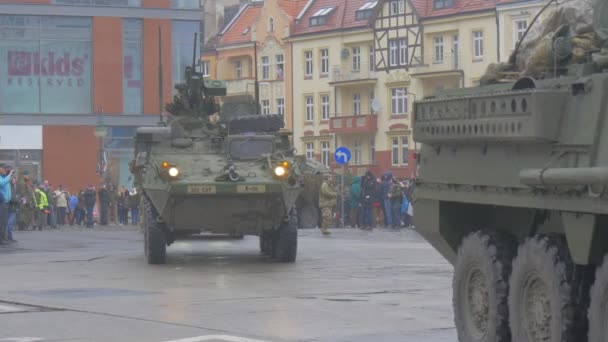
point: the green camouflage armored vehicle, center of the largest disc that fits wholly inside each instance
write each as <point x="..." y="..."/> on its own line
<point x="220" y="169"/>
<point x="513" y="191"/>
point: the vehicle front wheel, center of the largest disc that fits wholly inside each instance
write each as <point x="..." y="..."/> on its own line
<point x="287" y="241"/>
<point x="543" y="292"/>
<point x="480" y="285"/>
<point x="155" y="242"/>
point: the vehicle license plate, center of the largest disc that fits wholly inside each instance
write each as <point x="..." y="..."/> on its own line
<point x="201" y="189"/>
<point x="251" y="189"/>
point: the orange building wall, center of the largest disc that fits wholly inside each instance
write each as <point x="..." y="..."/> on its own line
<point x="156" y="3"/>
<point x="70" y="156"/>
<point x="150" y="63"/>
<point x="107" y="67"/>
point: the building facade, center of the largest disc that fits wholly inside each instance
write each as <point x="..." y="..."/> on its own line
<point x="514" y="19"/>
<point x="71" y="66"/>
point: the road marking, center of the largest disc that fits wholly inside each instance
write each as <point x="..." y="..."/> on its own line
<point x="22" y="339"/>
<point x="223" y="338"/>
<point x="7" y="308"/>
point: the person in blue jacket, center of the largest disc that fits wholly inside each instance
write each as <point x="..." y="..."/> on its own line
<point x="5" y="197"/>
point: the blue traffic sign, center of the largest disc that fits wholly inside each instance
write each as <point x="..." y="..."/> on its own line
<point x="342" y="155"/>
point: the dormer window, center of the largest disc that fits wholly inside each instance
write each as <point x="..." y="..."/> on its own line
<point x="441" y="4"/>
<point x="320" y="17"/>
<point x="365" y="11"/>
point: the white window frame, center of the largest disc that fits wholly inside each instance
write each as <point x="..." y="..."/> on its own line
<point x="393" y="52"/>
<point x="206" y="69"/>
<point x="399" y="101"/>
<point x="238" y="69"/>
<point x="356" y="50"/>
<point x="372" y="58"/>
<point x="399" y="150"/>
<point x="325" y="152"/>
<point x="397" y="7"/>
<point x="280" y="64"/>
<point x="395" y="151"/>
<point x="403" y="53"/>
<point x="356" y="104"/>
<point x="357" y="152"/>
<point x="271" y="24"/>
<point x="310" y="150"/>
<point x="372" y="151"/>
<point x="477" y="45"/>
<point x="265" y="107"/>
<point x="438" y="50"/>
<point x="324" y="61"/>
<point x="372" y="97"/>
<point x="404" y="150"/>
<point x="280" y="106"/>
<point x="309" y="67"/>
<point x="456" y="51"/>
<point x="325" y="107"/>
<point x="310" y="108"/>
<point x="519" y="31"/>
<point x="265" y="67"/>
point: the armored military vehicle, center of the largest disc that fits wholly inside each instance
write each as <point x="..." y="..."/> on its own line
<point x="512" y="190"/>
<point x="219" y="169"/>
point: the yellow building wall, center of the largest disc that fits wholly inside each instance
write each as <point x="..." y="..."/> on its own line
<point x="212" y="60"/>
<point x="507" y="17"/>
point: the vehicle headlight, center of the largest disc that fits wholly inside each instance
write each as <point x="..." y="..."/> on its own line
<point x="173" y="171"/>
<point x="280" y="171"/>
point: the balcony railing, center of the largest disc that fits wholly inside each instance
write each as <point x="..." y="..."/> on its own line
<point x="440" y="63"/>
<point x="365" y="123"/>
<point x="350" y="72"/>
<point x="242" y="86"/>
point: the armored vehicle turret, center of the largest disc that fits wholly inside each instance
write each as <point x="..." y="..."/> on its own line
<point x="220" y="169"/>
<point x="512" y="190"/>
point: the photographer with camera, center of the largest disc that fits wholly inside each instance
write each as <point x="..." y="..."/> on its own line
<point x="6" y="174"/>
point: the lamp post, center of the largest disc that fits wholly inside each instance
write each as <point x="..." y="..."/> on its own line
<point x="101" y="131"/>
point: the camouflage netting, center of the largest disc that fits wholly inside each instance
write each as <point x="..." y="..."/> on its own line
<point x="567" y="33"/>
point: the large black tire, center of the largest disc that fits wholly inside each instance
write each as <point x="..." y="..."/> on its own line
<point x="544" y="297"/>
<point x="155" y="242"/>
<point x="287" y="239"/>
<point x="598" y="307"/>
<point x="480" y="285"/>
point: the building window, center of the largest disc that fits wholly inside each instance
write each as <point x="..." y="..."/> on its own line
<point x="325" y="153"/>
<point x="365" y="11"/>
<point x="372" y="58"/>
<point x="403" y="51"/>
<point x="118" y="3"/>
<point x="238" y="69"/>
<point x="265" y="68"/>
<point x="439" y="4"/>
<point x="308" y="63"/>
<point x="184" y="3"/>
<point x="357" y="157"/>
<point x="271" y="24"/>
<point x="320" y="17"/>
<point x="324" y="62"/>
<point x="206" y="69"/>
<point x="399" y="151"/>
<point x="281" y="106"/>
<point x="456" y="51"/>
<point x="438" y="49"/>
<point x="520" y="29"/>
<point x="399" y="101"/>
<point x="280" y="62"/>
<point x="356" y="58"/>
<point x="372" y="98"/>
<point x="310" y="108"/>
<point x="398" y="52"/>
<point x="132" y="65"/>
<point x="404" y="150"/>
<point x="266" y="107"/>
<point x="372" y="151"/>
<point x="324" y="107"/>
<point x="397" y="7"/>
<point x="28" y="82"/>
<point x="356" y="104"/>
<point x="478" y="44"/>
<point x="182" y="33"/>
<point x="310" y="150"/>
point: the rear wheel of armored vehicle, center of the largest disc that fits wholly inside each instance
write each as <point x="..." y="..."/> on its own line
<point x="543" y="293"/>
<point x="480" y="285"/>
<point x="287" y="239"/>
<point x="598" y="307"/>
<point x="155" y="244"/>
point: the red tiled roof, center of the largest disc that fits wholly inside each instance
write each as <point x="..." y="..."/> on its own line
<point x="511" y="1"/>
<point x="234" y="33"/>
<point x="292" y="7"/>
<point x="342" y="16"/>
<point x="459" y="7"/>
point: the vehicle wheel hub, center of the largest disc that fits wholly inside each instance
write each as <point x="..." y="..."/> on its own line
<point x="477" y="303"/>
<point x="537" y="309"/>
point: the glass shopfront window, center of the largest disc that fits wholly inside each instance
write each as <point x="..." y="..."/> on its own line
<point x="119" y="148"/>
<point x="185" y="4"/>
<point x="24" y="161"/>
<point x="132" y="65"/>
<point x="45" y="64"/>
<point x="118" y="3"/>
<point x="182" y="39"/>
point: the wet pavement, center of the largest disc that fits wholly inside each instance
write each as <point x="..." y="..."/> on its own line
<point x="354" y="286"/>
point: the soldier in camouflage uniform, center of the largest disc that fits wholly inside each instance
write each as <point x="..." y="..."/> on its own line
<point x="327" y="202"/>
<point x="25" y="207"/>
